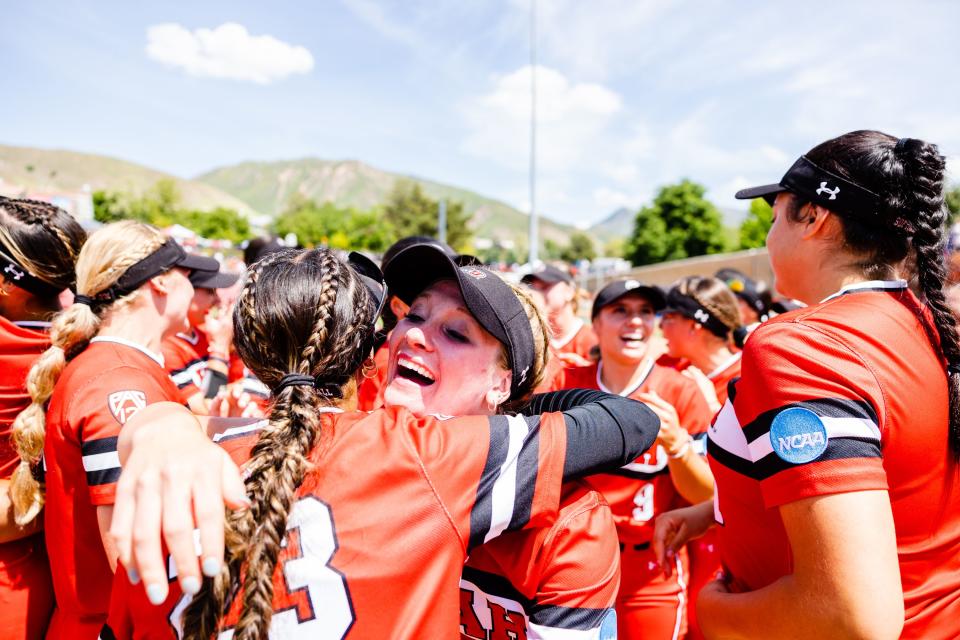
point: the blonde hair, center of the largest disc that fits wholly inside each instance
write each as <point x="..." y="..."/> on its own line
<point x="541" y="351"/>
<point x="104" y="258"/>
<point x="713" y="295"/>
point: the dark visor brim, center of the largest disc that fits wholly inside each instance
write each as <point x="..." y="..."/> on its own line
<point x="766" y="191"/>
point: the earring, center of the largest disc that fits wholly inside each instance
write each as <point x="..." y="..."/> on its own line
<point x="369" y="369"/>
<point x="492" y="407"/>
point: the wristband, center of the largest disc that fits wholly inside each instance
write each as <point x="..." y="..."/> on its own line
<point x="218" y="358"/>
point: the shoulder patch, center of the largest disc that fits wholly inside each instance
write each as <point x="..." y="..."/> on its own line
<point x="798" y="435"/>
<point x="124" y="404"/>
<point x="608" y="628"/>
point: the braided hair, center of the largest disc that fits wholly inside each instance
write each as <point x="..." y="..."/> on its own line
<point x="299" y="312"/>
<point x="908" y="174"/>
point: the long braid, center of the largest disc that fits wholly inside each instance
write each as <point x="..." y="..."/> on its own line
<point x="273" y="343"/>
<point x="923" y="196"/>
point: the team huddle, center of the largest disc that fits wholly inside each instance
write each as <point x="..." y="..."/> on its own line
<point x="421" y="448"/>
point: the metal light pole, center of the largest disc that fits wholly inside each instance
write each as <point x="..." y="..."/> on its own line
<point x="534" y="236"/>
<point x="442" y="222"/>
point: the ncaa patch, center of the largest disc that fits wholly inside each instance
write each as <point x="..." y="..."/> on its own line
<point x="608" y="627"/>
<point x="798" y="435"/>
<point x="124" y="404"/>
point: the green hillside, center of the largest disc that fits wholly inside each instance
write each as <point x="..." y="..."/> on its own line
<point x="268" y="186"/>
<point x="57" y="170"/>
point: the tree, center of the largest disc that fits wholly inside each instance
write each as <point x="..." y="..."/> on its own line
<point x="754" y="228"/>
<point x="680" y="223"/>
<point x="953" y="202"/>
<point x="580" y="248"/>
<point x="327" y="224"/>
<point x="221" y="223"/>
<point x="411" y="212"/>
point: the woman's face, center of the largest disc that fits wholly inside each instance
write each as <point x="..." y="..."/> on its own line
<point x="177" y="301"/>
<point x="679" y="332"/>
<point x="442" y="361"/>
<point x="787" y="251"/>
<point x="557" y="296"/>
<point x="624" y="327"/>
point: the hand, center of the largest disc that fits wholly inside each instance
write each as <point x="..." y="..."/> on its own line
<point x="672" y="436"/>
<point x="706" y="387"/>
<point x="570" y="359"/>
<point x="673" y="529"/>
<point x="173" y="481"/>
<point x="234" y="402"/>
<point x="218" y="326"/>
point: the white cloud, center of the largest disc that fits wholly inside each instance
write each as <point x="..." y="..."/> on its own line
<point x="227" y="51"/>
<point x="570" y="118"/>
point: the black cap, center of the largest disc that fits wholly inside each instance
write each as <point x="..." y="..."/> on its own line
<point x="620" y="288"/>
<point x="490" y="300"/>
<point x="213" y="280"/>
<point x="549" y="274"/>
<point x="755" y="294"/>
<point x="413" y="241"/>
<point x="824" y="188"/>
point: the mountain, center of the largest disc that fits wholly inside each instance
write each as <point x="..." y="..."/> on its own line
<point x="618" y="224"/>
<point x="51" y="170"/>
<point x="268" y="186"/>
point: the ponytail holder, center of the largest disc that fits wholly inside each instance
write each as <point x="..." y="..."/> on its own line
<point x="953" y="368"/>
<point x="294" y="380"/>
<point x="901" y="145"/>
<point x="82" y="299"/>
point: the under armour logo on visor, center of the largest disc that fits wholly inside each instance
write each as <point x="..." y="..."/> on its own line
<point x="823" y="189"/>
<point x="700" y="315"/>
<point x="12" y="270"/>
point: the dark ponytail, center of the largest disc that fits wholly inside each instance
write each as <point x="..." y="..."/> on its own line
<point x="908" y="174"/>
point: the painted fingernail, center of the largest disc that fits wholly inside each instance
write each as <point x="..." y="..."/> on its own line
<point x="211" y="567"/>
<point x="133" y="576"/>
<point x="156" y="593"/>
<point x="190" y="585"/>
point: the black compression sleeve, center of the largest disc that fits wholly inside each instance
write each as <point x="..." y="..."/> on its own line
<point x="604" y="431"/>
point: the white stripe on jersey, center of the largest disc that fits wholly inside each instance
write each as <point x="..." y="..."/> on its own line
<point x="504" y="491"/>
<point x="681" y="597"/>
<point x="537" y="632"/>
<point x="101" y="461"/>
<point x="726" y="433"/>
<point x="239" y="431"/>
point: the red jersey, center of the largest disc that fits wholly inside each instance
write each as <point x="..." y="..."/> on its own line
<point x="722" y="376"/>
<point x="185" y="359"/>
<point x="844" y="396"/>
<point x="376" y="550"/>
<point x="557" y="582"/>
<point x="26" y="592"/>
<point x="21" y="343"/>
<point x="581" y="342"/>
<point x="96" y="394"/>
<point x="643" y="489"/>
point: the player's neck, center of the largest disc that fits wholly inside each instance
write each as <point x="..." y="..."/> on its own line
<point x="710" y="357"/>
<point x="20" y="306"/>
<point x="563" y="323"/>
<point x="136" y="324"/>
<point x="617" y="376"/>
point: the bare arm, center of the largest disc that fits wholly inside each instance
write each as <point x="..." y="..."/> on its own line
<point x="845" y="581"/>
<point x="104" y="516"/>
<point x="9" y="529"/>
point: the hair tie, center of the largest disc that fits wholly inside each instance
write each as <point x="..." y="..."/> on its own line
<point x="82" y="299"/>
<point x="293" y="380"/>
<point x="901" y="146"/>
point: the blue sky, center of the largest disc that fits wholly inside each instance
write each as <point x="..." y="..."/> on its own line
<point x="633" y="93"/>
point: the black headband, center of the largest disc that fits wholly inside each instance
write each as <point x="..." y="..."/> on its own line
<point x="167" y="256"/>
<point x="690" y="308"/>
<point x="14" y="272"/>
<point x="329" y="390"/>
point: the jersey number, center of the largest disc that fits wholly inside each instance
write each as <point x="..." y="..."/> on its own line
<point x="644" y="503"/>
<point x="309" y="585"/>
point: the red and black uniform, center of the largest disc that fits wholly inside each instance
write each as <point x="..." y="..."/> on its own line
<point x="185" y="358"/>
<point x="649" y="605"/>
<point x="96" y="394"/>
<point x="704" y="552"/>
<point x="581" y="342"/>
<point x="553" y="582"/>
<point x="26" y="590"/>
<point x="376" y="550"/>
<point x="844" y="396"/>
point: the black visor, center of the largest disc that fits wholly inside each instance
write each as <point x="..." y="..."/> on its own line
<point x="690" y="308"/>
<point x="14" y="272"/>
<point x="490" y="300"/>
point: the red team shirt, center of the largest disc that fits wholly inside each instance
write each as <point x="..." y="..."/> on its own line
<point x="376" y="550"/>
<point x="95" y="395"/>
<point x="185" y="359"/>
<point x="553" y="582"/>
<point x="847" y="395"/>
<point x="26" y="590"/>
<point x="649" y="605"/>
<point x="581" y="342"/>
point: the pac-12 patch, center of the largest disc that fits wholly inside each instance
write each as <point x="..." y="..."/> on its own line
<point x="608" y="627"/>
<point x="798" y="435"/>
